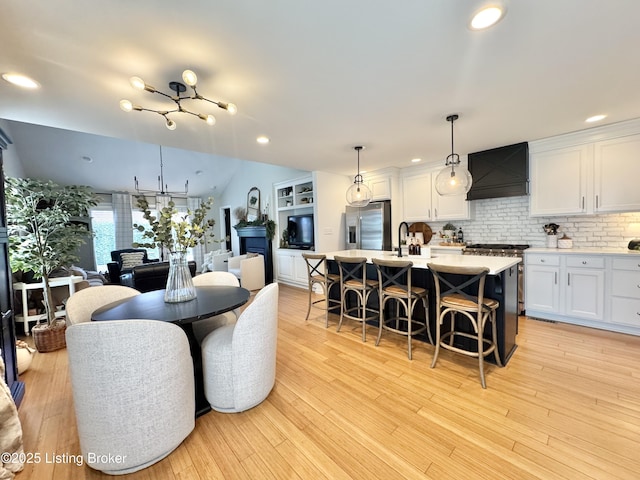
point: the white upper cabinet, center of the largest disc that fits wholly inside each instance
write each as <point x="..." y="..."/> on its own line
<point x="380" y="188"/>
<point x="558" y="180"/>
<point x="617" y="172"/>
<point x="416" y="197"/>
<point x="587" y="172"/>
<point x="421" y="202"/>
<point x="454" y="207"/>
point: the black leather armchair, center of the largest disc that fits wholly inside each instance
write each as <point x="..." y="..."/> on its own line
<point x="152" y="276"/>
<point x="115" y="267"/>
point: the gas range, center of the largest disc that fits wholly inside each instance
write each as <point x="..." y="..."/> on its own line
<point x="503" y="250"/>
<point x="496" y="249"/>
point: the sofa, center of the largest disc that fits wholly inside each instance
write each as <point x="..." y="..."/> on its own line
<point x="124" y="260"/>
<point x="151" y="276"/>
<point x="249" y="268"/>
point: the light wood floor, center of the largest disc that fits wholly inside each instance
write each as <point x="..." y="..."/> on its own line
<point x="566" y="406"/>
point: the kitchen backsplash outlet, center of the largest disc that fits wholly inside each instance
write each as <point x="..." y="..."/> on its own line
<point x="500" y="220"/>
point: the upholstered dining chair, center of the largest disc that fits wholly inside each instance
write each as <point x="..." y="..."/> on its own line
<point x="84" y="302"/>
<point x="239" y="360"/>
<point x="203" y="327"/>
<point x="133" y="391"/>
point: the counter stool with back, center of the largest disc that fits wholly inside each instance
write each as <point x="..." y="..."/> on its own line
<point x="394" y="283"/>
<point x="317" y="274"/>
<point x="353" y="279"/>
<point x="476" y="308"/>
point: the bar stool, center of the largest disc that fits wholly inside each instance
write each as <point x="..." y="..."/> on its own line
<point x="353" y="278"/>
<point x="317" y="275"/>
<point x="394" y="283"/>
<point x="477" y="309"/>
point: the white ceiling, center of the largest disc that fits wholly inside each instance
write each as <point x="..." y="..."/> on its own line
<point x="316" y="77"/>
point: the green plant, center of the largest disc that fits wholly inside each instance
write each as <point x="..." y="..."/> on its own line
<point x="284" y="239"/>
<point x="175" y="236"/>
<point x="449" y="226"/>
<point x="270" y="225"/>
<point x="42" y="236"/>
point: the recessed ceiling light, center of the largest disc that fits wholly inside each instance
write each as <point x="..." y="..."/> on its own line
<point x="487" y="16"/>
<point x="416" y="160"/>
<point x="20" y="80"/>
<point x="262" y="140"/>
<point x="595" y="118"/>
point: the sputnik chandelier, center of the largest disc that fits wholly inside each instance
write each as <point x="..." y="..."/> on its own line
<point x="190" y="78"/>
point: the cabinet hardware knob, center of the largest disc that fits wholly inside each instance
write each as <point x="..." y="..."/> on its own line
<point x="542" y="261"/>
<point x="584" y="262"/>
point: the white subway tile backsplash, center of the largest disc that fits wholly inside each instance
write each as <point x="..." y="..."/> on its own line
<point x="499" y="220"/>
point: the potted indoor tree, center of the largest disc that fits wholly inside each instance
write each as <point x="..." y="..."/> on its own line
<point x="43" y="238"/>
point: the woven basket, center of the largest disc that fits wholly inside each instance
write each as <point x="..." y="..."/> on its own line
<point x="50" y="338"/>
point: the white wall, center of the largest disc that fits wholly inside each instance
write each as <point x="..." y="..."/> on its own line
<point x="251" y="174"/>
<point x="330" y="207"/>
<point x="507" y="220"/>
<point x="11" y="162"/>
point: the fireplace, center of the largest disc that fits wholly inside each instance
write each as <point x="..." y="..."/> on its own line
<point x="254" y="240"/>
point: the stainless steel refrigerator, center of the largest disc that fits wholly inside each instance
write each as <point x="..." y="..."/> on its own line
<point x="369" y="228"/>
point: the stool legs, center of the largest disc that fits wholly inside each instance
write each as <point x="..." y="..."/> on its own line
<point x="309" y="305"/>
<point x="481" y="342"/>
<point x="362" y="298"/>
<point x="409" y="307"/>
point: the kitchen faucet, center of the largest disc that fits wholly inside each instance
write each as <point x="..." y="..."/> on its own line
<point x="399" y="233"/>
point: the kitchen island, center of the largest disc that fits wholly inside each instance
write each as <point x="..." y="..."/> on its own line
<point x="501" y="284"/>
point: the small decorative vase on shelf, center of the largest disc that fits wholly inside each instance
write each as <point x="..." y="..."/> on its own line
<point x="179" y="283"/>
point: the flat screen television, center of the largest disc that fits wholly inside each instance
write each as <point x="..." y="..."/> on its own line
<point x="300" y="230"/>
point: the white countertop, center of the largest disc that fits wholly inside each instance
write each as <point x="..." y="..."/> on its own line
<point x="494" y="264"/>
<point x="584" y="251"/>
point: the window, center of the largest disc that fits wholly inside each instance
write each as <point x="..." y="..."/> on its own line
<point x="104" y="240"/>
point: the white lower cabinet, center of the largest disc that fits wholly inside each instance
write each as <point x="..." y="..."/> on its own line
<point x="291" y="268"/>
<point x="585" y="288"/>
<point x="601" y="291"/>
<point x="625" y="292"/>
<point x="542" y="288"/>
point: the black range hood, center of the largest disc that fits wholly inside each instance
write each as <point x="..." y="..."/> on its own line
<point x="499" y="172"/>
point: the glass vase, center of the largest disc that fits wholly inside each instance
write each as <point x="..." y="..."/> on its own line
<point x="179" y="283"/>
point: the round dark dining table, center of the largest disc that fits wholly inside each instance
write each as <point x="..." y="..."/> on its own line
<point x="209" y="302"/>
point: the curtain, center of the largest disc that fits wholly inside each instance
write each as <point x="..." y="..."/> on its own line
<point x="123" y="219"/>
<point x="199" y="250"/>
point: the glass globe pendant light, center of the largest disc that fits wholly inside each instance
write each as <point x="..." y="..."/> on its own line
<point x="358" y="194"/>
<point x="453" y="179"/>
